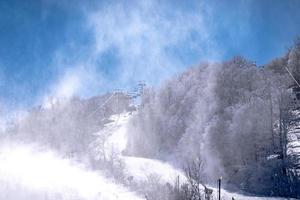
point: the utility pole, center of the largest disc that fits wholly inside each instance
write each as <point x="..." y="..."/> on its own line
<point x="219" y="187"/>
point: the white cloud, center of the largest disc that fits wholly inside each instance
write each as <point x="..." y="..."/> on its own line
<point x="69" y="84"/>
<point x="144" y="35"/>
<point x="79" y="80"/>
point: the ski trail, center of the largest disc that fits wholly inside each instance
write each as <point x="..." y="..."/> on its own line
<point x="137" y="167"/>
<point x="141" y="168"/>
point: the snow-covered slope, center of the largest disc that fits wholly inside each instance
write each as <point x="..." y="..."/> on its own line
<point x="30" y="172"/>
<point x="35" y="173"/>
<point x="293" y="142"/>
<point x="141" y="168"/>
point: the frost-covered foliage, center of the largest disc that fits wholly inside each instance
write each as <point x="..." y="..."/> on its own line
<point x="230" y="114"/>
<point x="68" y="125"/>
<point x="165" y="115"/>
<point x="294" y="60"/>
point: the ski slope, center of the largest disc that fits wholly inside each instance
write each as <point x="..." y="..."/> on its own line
<point x="33" y="173"/>
<point x="141" y="168"/>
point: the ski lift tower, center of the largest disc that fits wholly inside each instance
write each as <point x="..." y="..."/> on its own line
<point x="137" y="92"/>
<point x="141" y="86"/>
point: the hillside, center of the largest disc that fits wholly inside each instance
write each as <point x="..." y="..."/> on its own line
<point x="39" y="173"/>
<point x="231" y="119"/>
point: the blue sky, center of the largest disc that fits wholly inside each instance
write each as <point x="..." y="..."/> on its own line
<point x="65" y="48"/>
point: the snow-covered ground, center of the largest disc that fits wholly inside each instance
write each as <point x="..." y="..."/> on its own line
<point x="293" y="145"/>
<point x="141" y="168"/>
<point x="30" y="172"/>
<point x="226" y="195"/>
